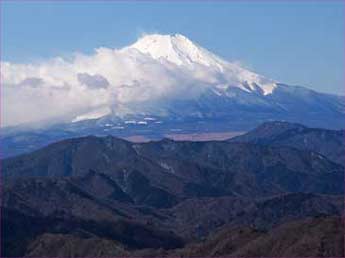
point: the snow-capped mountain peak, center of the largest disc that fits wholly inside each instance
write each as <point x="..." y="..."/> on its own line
<point x="177" y="49"/>
<point x="153" y="76"/>
<point x="181" y="51"/>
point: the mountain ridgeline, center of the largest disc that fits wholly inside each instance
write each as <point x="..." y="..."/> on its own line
<point x="169" y="84"/>
<point x="243" y="197"/>
<point x="329" y="143"/>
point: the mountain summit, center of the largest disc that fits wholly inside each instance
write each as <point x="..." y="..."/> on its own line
<point x="179" y="50"/>
<point x="159" y="86"/>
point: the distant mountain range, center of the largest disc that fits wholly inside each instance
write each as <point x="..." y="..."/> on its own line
<point x="246" y="196"/>
<point x="74" y="186"/>
<point x="163" y="85"/>
<point x="198" y="84"/>
<point x="329" y="143"/>
<point x="169" y="77"/>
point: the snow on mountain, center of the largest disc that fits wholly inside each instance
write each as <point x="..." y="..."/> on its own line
<point x="166" y="76"/>
<point x="181" y="51"/>
<point x="94" y="114"/>
<point x="177" y="49"/>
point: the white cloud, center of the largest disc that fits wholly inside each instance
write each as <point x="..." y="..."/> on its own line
<point x="114" y="79"/>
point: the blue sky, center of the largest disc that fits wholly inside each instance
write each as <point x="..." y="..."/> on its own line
<point x="294" y="42"/>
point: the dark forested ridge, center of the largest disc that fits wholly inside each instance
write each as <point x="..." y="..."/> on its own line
<point x="330" y="143"/>
<point x="234" y="197"/>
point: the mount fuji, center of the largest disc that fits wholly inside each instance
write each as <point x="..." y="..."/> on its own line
<point x="167" y="84"/>
<point x="197" y="84"/>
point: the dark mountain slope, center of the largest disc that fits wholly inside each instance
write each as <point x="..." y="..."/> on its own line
<point x="27" y="230"/>
<point x="175" y="170"/>
<point x="247" y="169"/>
<point x="65" y="245"/>
<point x="157" y="229"/>
<point x="133" y="199"/>
<point x="63" y="198"/>
<point x="318" y="237"/>
<point x="195" y="218"/>
<point x="315" y="237"/>
<point x="312" y="237"/>
<point x="330" y="143"/>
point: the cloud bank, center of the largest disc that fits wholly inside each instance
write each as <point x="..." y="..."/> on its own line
<point x="58" y="89"/>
